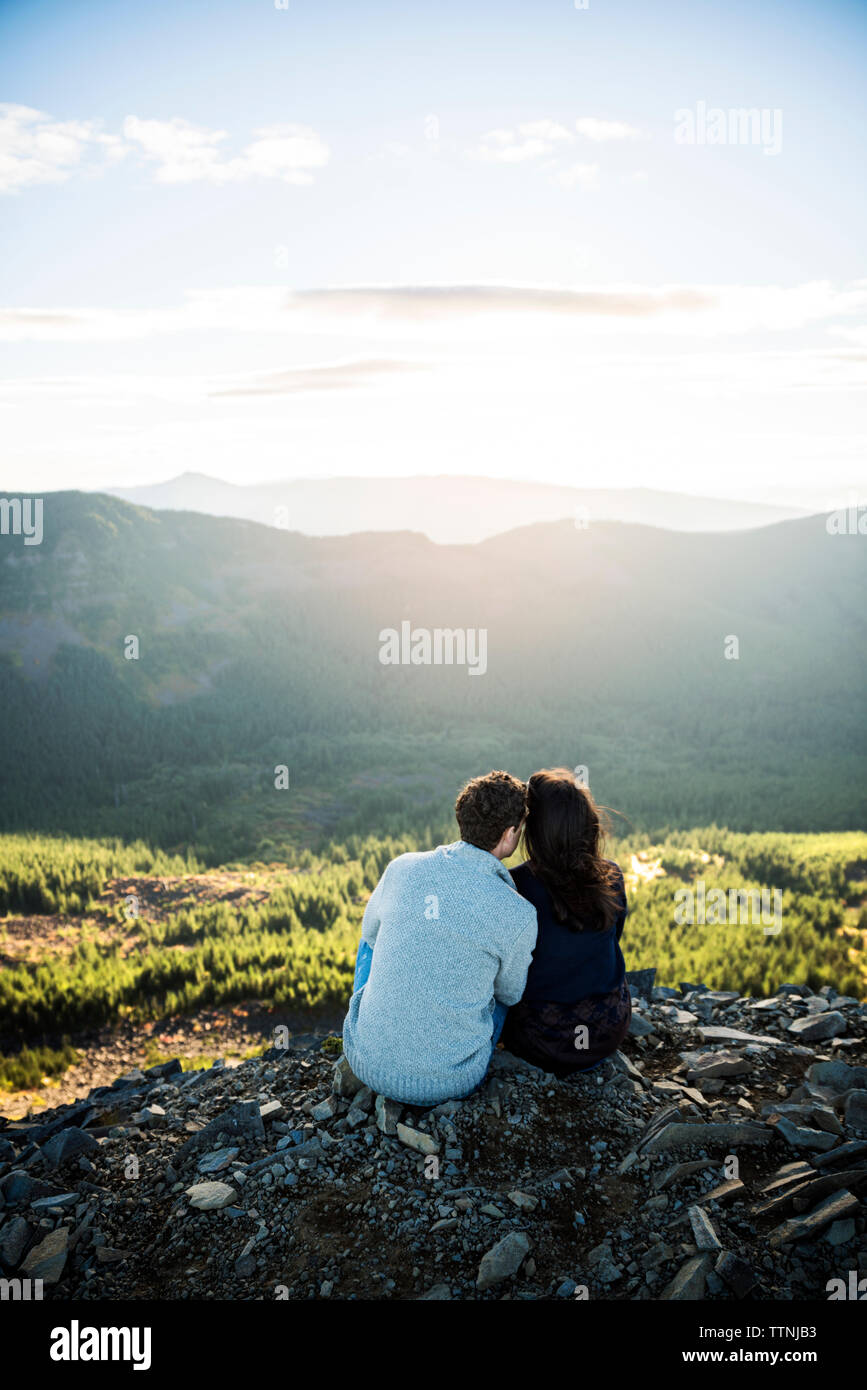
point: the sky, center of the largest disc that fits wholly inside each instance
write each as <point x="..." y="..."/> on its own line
<point x="527" y="240"/>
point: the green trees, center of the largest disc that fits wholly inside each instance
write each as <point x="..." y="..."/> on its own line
<point x="297" y="946"/>
<point x="51" y="874"/>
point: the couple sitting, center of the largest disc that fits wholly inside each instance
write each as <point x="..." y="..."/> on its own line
<point x="457" y="951"/>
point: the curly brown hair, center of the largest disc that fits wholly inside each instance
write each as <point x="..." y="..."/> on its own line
<point x="488" y="806"/>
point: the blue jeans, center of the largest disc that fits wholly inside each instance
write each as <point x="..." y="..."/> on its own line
<point x="362" y="970"/>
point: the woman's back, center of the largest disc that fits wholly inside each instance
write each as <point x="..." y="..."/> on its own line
<point x="569" y="964"/>
<point x="576" y="1007"/>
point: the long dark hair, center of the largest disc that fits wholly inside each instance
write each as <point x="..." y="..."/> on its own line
<point x="563" y="840"/>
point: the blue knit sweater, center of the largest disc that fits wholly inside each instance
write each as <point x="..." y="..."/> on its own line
<point x="450" y="935"/>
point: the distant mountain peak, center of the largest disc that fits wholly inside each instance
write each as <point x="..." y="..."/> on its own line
<point x="448" y="510"/>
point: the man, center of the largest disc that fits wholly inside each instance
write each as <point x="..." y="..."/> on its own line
<point x="446" y="943"/>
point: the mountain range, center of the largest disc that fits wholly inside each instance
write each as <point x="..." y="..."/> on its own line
<point x="449" y="510"/>
<point x="700" y="677"/>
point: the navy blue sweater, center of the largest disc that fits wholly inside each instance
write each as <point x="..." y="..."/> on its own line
<point x="569" y="965"/>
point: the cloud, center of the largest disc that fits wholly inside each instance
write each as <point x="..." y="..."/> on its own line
<point x="546" y="141"/>
<point x="35" y="149"/>
<point x="584" y="176"/>
<point x="431" y="312"/>
<point x="413" y="302"/>
<point x="591" y="128"/>
<point x="544" y="130"/>
<point x="857" y="335"/>
<point x="336" y="376"/>
<point x="528" y="141"/>
<point x="184" y="153"/>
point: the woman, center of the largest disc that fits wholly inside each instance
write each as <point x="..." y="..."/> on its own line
<point x="576" y="1006"/>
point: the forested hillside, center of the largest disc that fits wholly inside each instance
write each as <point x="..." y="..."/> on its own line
<point x="259" y="648"/>
<point x="93" y="934"/>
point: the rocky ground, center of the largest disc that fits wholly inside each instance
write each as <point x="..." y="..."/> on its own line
<point x="722" y="1154"/>
<point x="229" y="1032"/>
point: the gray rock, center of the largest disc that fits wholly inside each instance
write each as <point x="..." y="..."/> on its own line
<point x="344" y="1082"/>
<point x="855" y="1111"/>
<point x="841" y="1232"/>
<point x="163" y="1070"/>
<point x="325" y="1110"/>
<point x="62" y="1199"/>
<point x="272" y="1110"/>
<point x="363" y="1100"/>
<point x="14" y="1236"/>
<point x="106" y="1255"/>
<point x="67" y="1144"/>
<point x="18" y="1188"/>
<point x="844" y="1153"/>
<point x="836" y="1207"/>
<point x="707" y="1136"/>
<point x="621" y="1062"/>
<point x="799" y="1137"/>
<point x="668" y="1176"/>
<point x="732" y="1187"/>
<point x="310" y="1150"/>
<point x="807" y="1194"/>
<point x="417" y="1139"/>
<point x="639" y="1026"/>
<point x="718" y="1033"/>
<point x="437" y="1293"/>
<point x="154" y="1117"/>
<point x="607" y="1272"/>
<point x="703" y="1231"/>
<point x="240" y="1121"/>
<point x="388" y="1112"/>
<point x="490" y="1209"/>
<point x="688" y="1285"/>
<point x="211" y="1196"/>
<point x="658" y="1254"/>
<point x="829" y="1025"/>
<point x="506" y="1062"/>
<point x="640" y="982"/>
<point x="837" y="1076"/>
<point x="523" y="1200"/>
<point x="681" y="1017"/>
<point x="786" y="1176"/>
<point x="217" y="1160"/>
<point x="740" y="1276"/>
<point x="712" y="1064"/>
<point x="503" y="1259"/>
<point x="47" y="1259"/>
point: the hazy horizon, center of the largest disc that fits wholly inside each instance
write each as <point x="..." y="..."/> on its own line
<point x="495" y="241"/>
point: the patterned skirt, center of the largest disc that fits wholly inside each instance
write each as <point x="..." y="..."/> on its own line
<point x="567" y="1038"/>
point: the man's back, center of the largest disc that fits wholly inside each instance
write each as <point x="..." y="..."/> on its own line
<point x="449" y="935"/>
